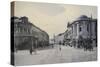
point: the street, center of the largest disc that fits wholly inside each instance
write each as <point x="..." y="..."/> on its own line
<point x="54" y="55"/>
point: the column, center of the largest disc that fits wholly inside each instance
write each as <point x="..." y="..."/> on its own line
<point x="77" y="29"/>
<point x="77" y="33"/>
<point x="74" y="31"/>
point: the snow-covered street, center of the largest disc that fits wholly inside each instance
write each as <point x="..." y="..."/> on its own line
<point x="54" y="55"/>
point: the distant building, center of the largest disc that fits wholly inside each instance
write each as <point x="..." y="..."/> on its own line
<point x="68" y="35"/>
<point x="82" y="28"/>
<point x="59" y="39"/>
<point x="51" y="41"/>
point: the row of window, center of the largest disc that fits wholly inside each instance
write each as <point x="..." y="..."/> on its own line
<point x="19" y="30"/>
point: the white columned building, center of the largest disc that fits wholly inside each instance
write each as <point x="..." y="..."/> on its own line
<point x="84" y="27"/>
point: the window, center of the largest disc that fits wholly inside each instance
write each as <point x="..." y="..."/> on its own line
<point x="76" y="29"/>
<point x="80" y="29"/>
<point x="88" y="27"/>
<point x="72" y="29"/>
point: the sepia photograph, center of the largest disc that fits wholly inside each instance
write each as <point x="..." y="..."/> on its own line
<point x="50" y="33"/>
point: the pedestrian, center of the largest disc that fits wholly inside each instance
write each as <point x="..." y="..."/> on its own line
<point x="60" y="48"/>
<point x="31" y="51"/>
<point x="60" y="45"/>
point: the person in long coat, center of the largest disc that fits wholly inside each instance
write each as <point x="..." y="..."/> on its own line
<point x="31" y="51"/>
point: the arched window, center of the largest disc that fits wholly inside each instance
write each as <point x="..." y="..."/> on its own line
<point x="80" y="29"/>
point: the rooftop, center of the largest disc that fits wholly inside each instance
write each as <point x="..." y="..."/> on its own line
<point x="83" y="17"/>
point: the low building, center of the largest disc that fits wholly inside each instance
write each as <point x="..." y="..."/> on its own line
<point x="68" y="35"/>
<point x="59" y="39"/>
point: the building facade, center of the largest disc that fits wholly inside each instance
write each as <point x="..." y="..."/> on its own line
<point x="83" y="28"/>
<point x="26" y="35"/>
<point x="59" y="39"/>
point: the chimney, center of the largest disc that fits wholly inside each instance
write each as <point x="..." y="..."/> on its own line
<point x="24" y="19"/>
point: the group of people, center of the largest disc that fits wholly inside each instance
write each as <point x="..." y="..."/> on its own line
<point x="86" y="44"/>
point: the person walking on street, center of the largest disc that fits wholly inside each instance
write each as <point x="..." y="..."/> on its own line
<point x="31" y="51"/>
<point x="60" y="45"/>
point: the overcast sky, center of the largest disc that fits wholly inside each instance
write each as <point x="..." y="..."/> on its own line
<point x="52" y="18"/>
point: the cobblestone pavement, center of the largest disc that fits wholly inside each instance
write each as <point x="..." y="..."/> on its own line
<point x="54" y="55"/>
